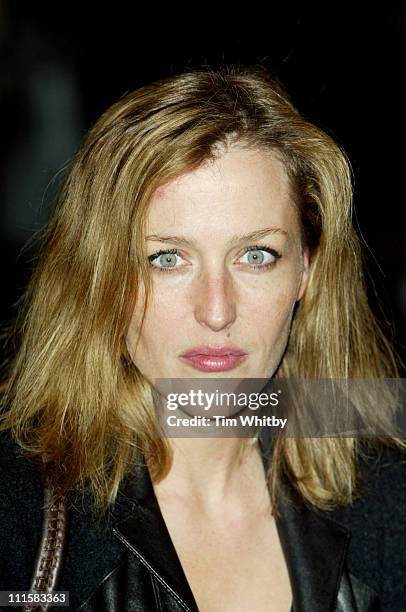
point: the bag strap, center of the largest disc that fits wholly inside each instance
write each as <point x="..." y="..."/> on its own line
<point x="51" y="549"/>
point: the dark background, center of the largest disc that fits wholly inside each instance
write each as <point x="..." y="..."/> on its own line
<point x="62" y="64"/>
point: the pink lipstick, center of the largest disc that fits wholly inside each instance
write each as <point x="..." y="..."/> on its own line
<point x="214" y="358"/>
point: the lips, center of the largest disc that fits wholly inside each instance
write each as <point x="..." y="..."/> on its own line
<point x="214" y="358"/>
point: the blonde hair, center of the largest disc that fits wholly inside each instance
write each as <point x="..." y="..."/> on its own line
<point x="72" y="387"/>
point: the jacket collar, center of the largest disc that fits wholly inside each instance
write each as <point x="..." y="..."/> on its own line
<point x="314" y="546"/>
<point x="315" y="550"/>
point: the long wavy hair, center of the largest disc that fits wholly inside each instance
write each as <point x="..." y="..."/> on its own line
<point x="73" y="397"/>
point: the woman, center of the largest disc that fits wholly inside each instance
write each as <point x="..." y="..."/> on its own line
<point x="203" y="232"/>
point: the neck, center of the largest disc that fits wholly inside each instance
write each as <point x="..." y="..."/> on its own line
<point x="211" y="471"/>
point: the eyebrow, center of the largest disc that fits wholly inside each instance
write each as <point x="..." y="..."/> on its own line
<point x="236" y="239"/>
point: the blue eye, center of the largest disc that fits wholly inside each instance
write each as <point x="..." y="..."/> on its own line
<point x="164" y="260"/>
<point x="260" y="257"/>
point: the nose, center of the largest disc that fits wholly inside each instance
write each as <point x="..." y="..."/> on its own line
<point x="215" y="300"/>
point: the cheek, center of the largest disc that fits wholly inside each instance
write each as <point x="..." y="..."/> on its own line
<point x="167" y="307"/>
<point x="270" y="306"/>
<point x="272" y="318"/>
<point x="164" y="315"/>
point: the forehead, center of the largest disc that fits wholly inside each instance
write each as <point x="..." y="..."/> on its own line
<point x="240" y="190"/>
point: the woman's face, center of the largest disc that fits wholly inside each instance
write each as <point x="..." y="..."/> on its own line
<point x="227" y="269"/>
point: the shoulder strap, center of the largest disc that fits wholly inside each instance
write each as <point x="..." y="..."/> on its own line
<point x="51" y="549"/>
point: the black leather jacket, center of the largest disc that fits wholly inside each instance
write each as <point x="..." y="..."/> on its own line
<point x="151" y="577"/>
<point x="130" y="563"/>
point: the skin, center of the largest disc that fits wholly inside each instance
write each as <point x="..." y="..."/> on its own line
<point x="214" y="295"/>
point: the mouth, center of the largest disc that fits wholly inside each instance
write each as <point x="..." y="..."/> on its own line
<point x="214" y="358"/>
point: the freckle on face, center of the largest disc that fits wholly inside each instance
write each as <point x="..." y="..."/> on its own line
<point x="212" y="299"/>
<point x="159" y="193"/>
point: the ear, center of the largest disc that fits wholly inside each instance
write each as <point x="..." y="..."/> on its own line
<point x="304" y="279"/>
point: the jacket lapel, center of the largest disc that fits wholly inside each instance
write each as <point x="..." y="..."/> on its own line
<point x="315" y="550"/>
<point x="314" y="546"/>
<point x="146" y="535"/>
